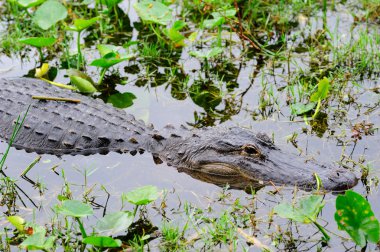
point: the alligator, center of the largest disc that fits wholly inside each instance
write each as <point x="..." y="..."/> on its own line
<point x="91" y="126"/>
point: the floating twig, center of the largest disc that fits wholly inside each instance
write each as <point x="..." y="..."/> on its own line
<point x="47" y="98"/>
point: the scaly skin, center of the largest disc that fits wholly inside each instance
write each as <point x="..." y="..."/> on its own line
<point x="216" y="154"/>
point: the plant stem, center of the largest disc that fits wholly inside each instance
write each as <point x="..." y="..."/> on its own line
<point x="102" y="73"/>
<point x="79" y="62"/>
<point x="323" y="231"/>
<point x="135" y="211"/>
<point x="84" y="235"/>
<point x="41" y="54"/>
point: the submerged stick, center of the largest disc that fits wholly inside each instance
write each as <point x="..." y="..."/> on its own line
<point x="47" y="98"/>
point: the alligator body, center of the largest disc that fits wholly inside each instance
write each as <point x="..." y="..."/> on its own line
<point x="221" y="154"/>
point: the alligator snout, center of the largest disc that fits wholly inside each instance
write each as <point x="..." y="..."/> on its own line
<point x="340" y="179"/>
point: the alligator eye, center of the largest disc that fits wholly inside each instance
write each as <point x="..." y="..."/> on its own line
<point x="250" y="149"/>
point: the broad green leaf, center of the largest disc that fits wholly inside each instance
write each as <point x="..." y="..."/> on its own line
<point x="114" y="223"/>
<point x="83" y="85"/>
<point x="323" y="90"/>
<point x="106" y="49"/>
<point x="212" y="23"/>
<point x="38" y="41"/>
<point x="224" y="13"/>
<point x="34" y="242"/>
<point x="75" y="72"/>
<point x="208" y="54"/>
<point x="37" y="241"/>
<point x="111" y="59"/>
<point x="29" y="3"/>
<point x="17" y="222"/>
<point x="74" y="208"/>
<point x="175" y="36"/>
<point x="81" y="24"/>
<point x="205" y="95"/>
<point x="300" y="108"/>
<point x="306" y="212"/>
<point x="142" y="195"/>
<point x="121" y="100"/>
<point x="179" y="25"/>
<point x="102" y="241"/>
<point x="49" y="13"/>
<point x="153" y="12"/>
<point x="355" y="216"/>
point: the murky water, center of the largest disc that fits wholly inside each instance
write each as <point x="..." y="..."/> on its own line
<point x="121" y="173"/>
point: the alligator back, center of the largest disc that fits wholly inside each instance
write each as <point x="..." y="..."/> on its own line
<point x="58" y="128"/>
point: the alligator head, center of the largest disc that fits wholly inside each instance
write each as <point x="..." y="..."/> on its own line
<point x="236" y="152"/>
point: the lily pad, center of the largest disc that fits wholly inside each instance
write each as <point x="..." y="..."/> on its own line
<point x="300" y="108"/>
<point x="114" y="223"/>
<point x="49" y="13"/>
<point x="207" y="54"/>
<point x="306" y="212"/>
<point x="102" y="241"/>
<point x="37" y="241"/>
<point x="142" y="195"/>
<point x="81" y="24"/>
<point x="74" y="208"/>
<point x="121" y="100"/>
<point x="153" y="12"/>
<point x="355" y="216"/>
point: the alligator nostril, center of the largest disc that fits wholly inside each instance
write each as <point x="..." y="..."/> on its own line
<point x="337" y="174"/>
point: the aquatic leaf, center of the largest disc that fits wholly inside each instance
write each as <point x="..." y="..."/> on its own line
<point x="208" y="54"/>
<point x="176" y="37"/>
<point x="205" y="95"/>
<point x="212" y="23"/>
<point x="355" y="216"/>
<point x="121" y="100"/>
<point x="179" y="25"/>
<point x="153" y="12"/>
<point x="76" y="72"/>
<point x="106" y="49"/>
<point x="38" y="41"/>
<point x="81" y="24"/>
<point x="219" y="18"/>
<point x="323" y="90"/>
<point x="110" y="59"/>
<point x="114" y="223"/>
<point x="224" y="13"/>
<point x="306" y="212"/>
<point x="49" y="13"/>
<point x="37" y="241"/>
<point x="102" y="241"/>
<point x="300" y="108"/>
<point x="83" y="85"/>
<point x="17" y="221"/>
<point x="142" y="195"/>
<point x="74" y="208"/>
<point x="29" y="3"/>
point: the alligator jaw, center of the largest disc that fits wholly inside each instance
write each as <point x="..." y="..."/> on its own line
<point x="239" y="152"/>
<point x="279" y="168"/>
